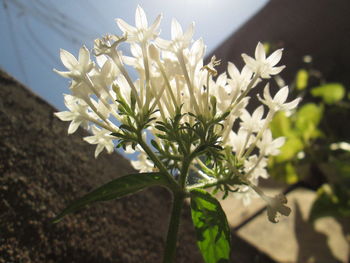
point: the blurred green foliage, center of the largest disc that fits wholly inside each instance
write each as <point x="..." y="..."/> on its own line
<point x="317" y="145"/>
<point x="330" y="93"/>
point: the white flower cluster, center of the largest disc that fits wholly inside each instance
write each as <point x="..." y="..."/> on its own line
<point x="171" y="75"/>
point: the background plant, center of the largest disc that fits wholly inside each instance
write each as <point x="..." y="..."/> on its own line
<point x="178" y="117"/>
<point x="316" y="154"/>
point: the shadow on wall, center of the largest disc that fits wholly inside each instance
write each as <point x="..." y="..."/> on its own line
<point x="306" y="235"/>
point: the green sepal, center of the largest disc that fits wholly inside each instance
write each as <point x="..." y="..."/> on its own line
<point x="212" y="230"/>
<point x="115" y="189"/>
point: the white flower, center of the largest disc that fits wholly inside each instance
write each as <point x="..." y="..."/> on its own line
<point x="143" y="164"/>
<point x="107" y="44"/>
<point x="171" y="77"/>
<point x="101" y="80"/>
<point x="246" y="194"/>
<point x="179" y="40"/>
<point x="222" y="92"/>
<point x="276" y="205"/>
<point x="196" y="52"/>
<point x="277" y="103"/>
<point x="77" y="113"/>
<point x="137" y="57"/>
<point x="77" y="68"/>
<point x="140" y="33"/>
<point x="239" y="80"/>
<point x="262" y="66"/>
<point x="102" y="138"/>
<point x="101" y="110"/>
<point x="240" y="141"/>
<point x="268" y="146"/>
<point x="254" y="122"/>
<point x="255" y="167"/>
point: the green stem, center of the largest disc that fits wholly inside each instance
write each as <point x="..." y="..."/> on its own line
<point x="212" y="183"/>
<point x="158" y="163"/>
<point x="204" y="185"/>
<point x="171" y="240"/>
<point x="184" y="172"/>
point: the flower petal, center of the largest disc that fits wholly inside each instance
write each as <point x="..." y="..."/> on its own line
<point x="98" y="150"/>
<point x="73" y="126"/>
<point x="162" y="43"/>
<point x="68" y="60"/>
<point x="125" y="27"/>
<point x="291" y="105"/>
<point x="267" y="95"/>
<point x="281" y="95"/>
<point x="275" y="57"/>
<point x="140" y="18"/>
<point x="249" y="61"/>
<point x="84" y="56"/>
<point x="189" y="34"/>
<point x="232" y="70"/>
<point x="260" y="52"/>
<point x="156" y="23"/>
<point x="258" y="113"/>
<point x="64" y="115"/>
<point x="276" y="70"/>
<point x="176" y="29"/>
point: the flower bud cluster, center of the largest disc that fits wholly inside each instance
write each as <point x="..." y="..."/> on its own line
<point x="189" y="109"/>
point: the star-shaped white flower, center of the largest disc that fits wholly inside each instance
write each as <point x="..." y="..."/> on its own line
<point x="239" y="141"/>
<point x="277" y="103"/>
<point x="262" y="66"/>
<point x="143" y="164"/>
<point x="254" y="122"/>
<point x="269" y="146"/>
<point x="140" y="33"/>
<point x="256" y="167"/>
<point x="77" y="113"/>
<point x="102" y="138"/>
<point x="136" y="60"/>
<point x="179" y="39"/>
<point x="239" y="80"/>
<point x="77" y="68"/>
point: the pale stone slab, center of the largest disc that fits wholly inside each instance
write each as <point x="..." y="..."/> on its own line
<point x="293" y="239"/>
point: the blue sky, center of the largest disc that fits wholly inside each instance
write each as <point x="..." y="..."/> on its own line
<point x="33" y="31"/>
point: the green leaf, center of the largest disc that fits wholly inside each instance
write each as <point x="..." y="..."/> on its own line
<point x="155" y="144"/>
<point x="336" y="170"/>
<point x="302" y="78"/>
<point x="289" y="149"/>
<point x="342" y="168"/>
<point x="330" y="93"/>
<point x="331" y="201"/>
<point x="280" y="125"/>
<point x="212" y="230"/>
<point x="117" y="188"/>
<point x="308" y="118"/>
<point x="291" y="174"/>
